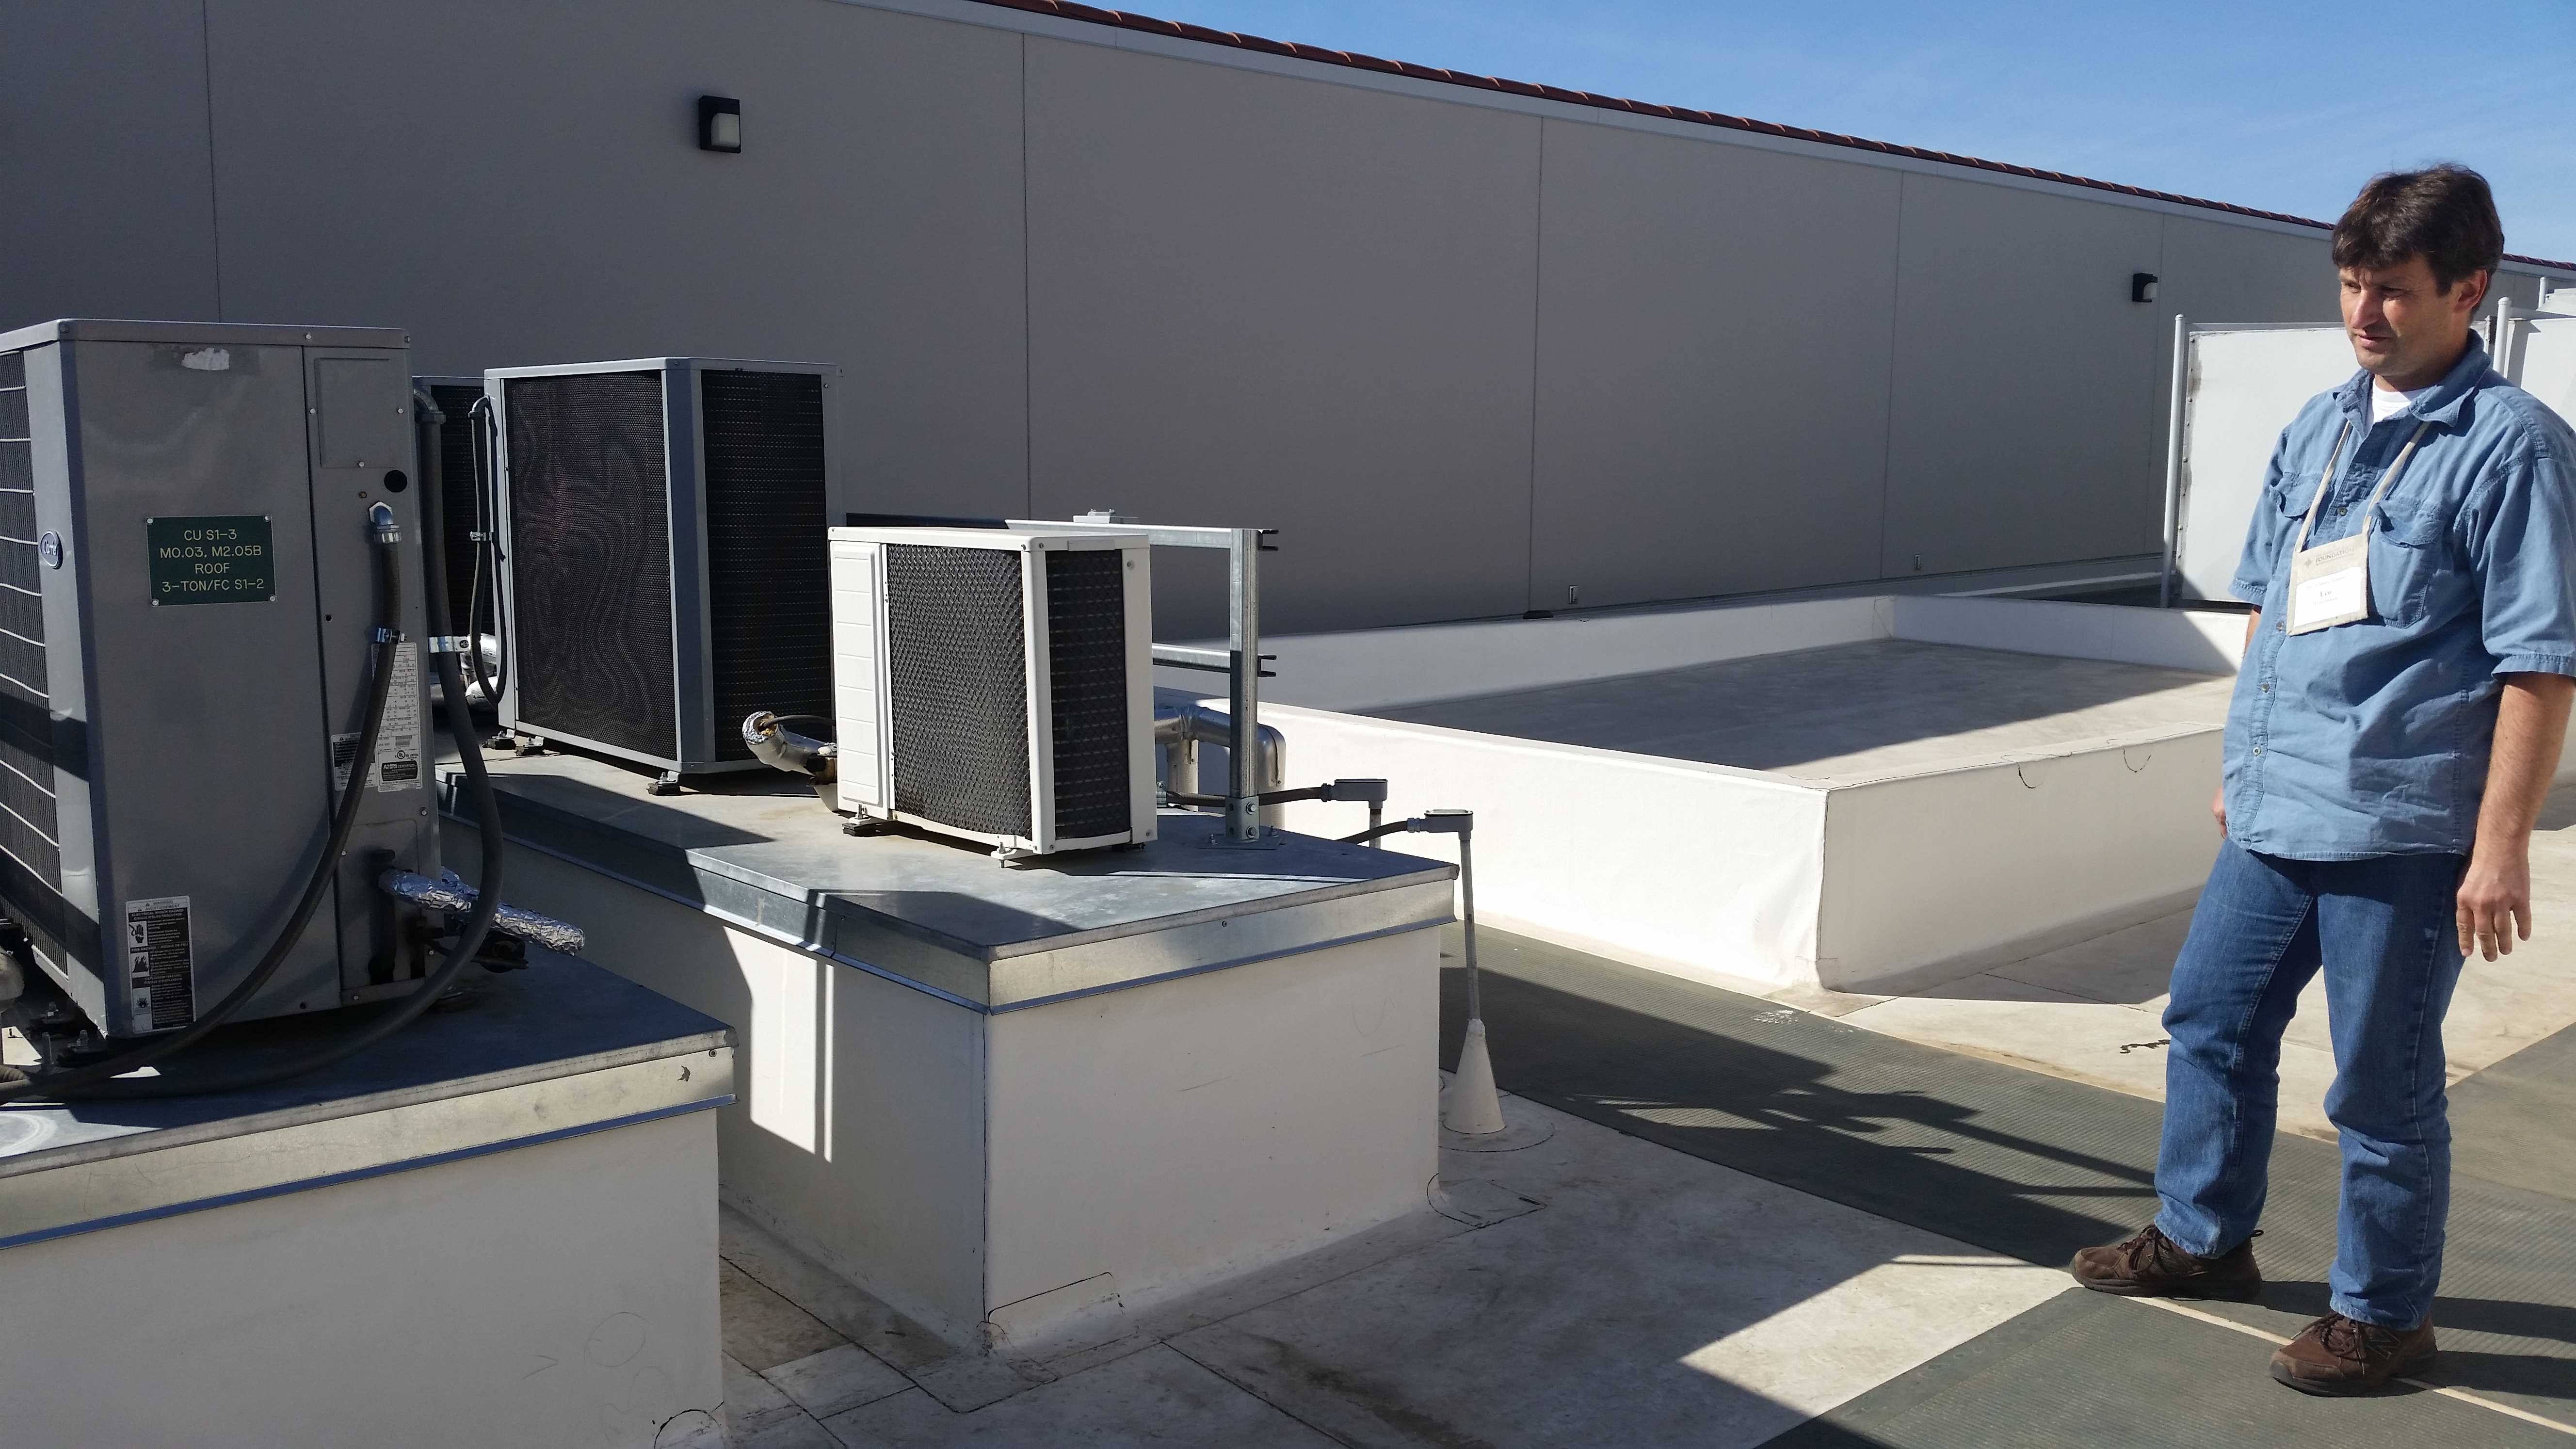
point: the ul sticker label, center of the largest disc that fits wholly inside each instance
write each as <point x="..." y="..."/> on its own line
<point x="160" y="964"/>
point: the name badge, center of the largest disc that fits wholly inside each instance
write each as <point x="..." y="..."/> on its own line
<point x="2330" y="584"/>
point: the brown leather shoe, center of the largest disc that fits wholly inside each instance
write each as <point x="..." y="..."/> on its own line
<point x="2339" y="1355"/>
<point x="2149" y="1265"/>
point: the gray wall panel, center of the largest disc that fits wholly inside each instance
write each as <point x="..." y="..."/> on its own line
<point x="2024" y="399"/>
<point x="2218" y="273"/>
<point x="1266" y="302"/>
<point x="1226" y="288"/>
<point x="103" y="161"/>
<point x="1714" y="323"/>
<point x="521" y="184"/>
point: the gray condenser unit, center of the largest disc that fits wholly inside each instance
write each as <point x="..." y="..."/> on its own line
<point x="666" y="574"/>
<point x="190" y="585"/>
<point x="996" y="684"/>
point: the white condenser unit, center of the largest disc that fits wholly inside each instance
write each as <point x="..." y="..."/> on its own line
<point x="995" y="684"/>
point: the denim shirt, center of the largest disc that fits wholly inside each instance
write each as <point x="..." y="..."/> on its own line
<point x="2372" y="738"/>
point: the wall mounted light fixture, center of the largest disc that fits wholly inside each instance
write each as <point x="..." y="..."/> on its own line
<point x="719" y="123"/>
<point x="2142" y="286"/>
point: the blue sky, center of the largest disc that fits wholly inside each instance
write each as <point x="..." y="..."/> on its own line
<point x="2281" y="106"/>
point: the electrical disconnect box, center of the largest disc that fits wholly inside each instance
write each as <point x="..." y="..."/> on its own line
<point x="188" y="605"/>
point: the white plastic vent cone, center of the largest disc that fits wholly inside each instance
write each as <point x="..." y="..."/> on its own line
<point x="1474" y="1107"/>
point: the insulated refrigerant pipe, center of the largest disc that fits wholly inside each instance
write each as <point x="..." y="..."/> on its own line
<point x="1178" y="728"/>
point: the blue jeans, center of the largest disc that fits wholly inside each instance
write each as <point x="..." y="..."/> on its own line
<point x="2382" y="930"/>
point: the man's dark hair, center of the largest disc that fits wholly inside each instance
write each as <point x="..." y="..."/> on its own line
<point x="2445" y="214"/>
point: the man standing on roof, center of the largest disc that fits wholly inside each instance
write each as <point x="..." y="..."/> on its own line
<point x="2396" y="722"/>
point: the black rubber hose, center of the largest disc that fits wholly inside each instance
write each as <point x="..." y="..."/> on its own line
<point x="487" y="553"/>
<point x="469" y="940"/>
<point x="487" y="814"/>
<point x="76" y="1081"/>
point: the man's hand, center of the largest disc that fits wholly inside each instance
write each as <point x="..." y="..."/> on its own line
<point x="2494" y="907"/>
<point x="2218" y="808"/>
<point x="2495" y="901"/>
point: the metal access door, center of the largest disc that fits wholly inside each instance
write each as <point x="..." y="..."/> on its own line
<point x="2539" y="356"/>
<point x="2235" y="388"/>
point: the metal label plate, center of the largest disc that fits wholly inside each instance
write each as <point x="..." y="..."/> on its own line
<point x="217" y="559"/>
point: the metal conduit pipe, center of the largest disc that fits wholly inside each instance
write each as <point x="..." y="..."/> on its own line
<point x="1181" y="729"/>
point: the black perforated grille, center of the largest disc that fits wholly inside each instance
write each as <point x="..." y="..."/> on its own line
<point x="590" y="563"/>
<point x="769" y="561"/>
<point x="1087" y="688"/>
<point x="456" y="501"/>
<point x="31" y="875"/>
<point x="957" y="668"/>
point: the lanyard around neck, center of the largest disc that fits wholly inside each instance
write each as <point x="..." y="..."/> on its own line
<point x="2387" y="480"/>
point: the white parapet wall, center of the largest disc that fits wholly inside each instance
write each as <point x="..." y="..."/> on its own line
<point x="2207" y="640"/>
<point x="1378" y="668"/>
<point x="1374" y="668"/>
<point x="1854" y="883"/>
<point x="1732" y="874"/>
<point x="1982" y="862"/>
<point x="1694" y="868"/>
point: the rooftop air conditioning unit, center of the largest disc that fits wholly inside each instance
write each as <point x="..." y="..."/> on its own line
<point x="189" y="600"/>
<point x="662" y="523"/>
<point x="996" y="684"/>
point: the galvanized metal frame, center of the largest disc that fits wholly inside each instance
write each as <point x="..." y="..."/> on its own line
<point x="1241" y="661"/>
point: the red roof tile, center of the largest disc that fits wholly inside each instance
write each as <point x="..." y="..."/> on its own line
<point x="1124" y="20"/>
